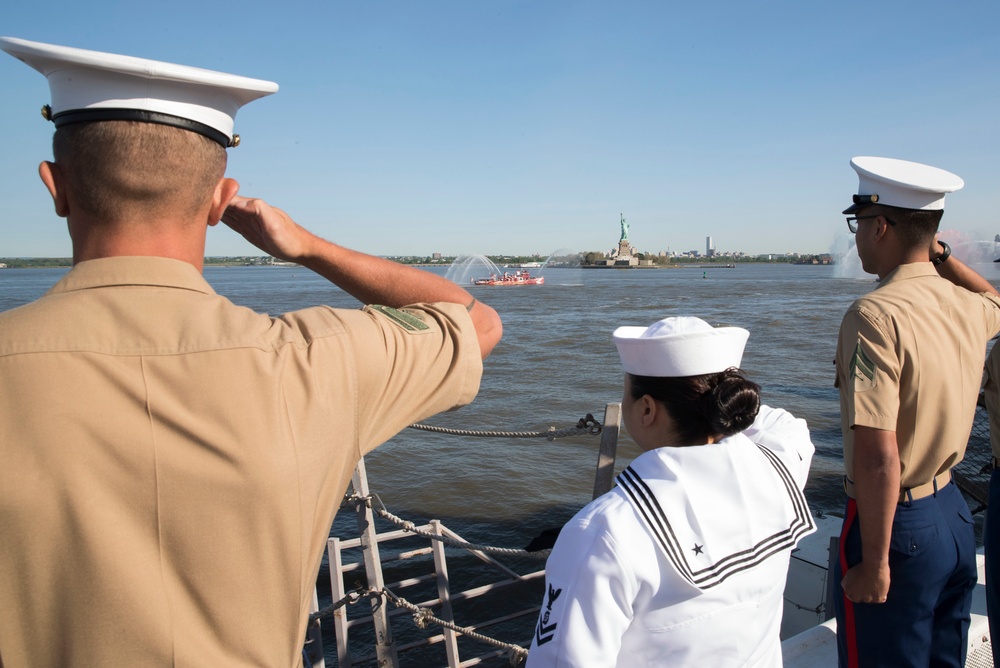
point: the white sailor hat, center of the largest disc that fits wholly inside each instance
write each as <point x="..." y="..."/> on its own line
<point x="94" y="86"/>
<point x="679" y="347"/>
<point x="908" y="185"/>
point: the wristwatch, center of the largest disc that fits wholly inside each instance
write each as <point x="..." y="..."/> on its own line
<point x="945" y="254"/>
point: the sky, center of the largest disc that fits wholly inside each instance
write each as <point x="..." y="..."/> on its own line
<point x="529" y="126"/>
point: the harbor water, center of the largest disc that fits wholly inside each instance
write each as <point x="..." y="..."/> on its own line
<point x="556" y="364"/>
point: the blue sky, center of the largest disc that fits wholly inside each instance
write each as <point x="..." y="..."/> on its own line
<point x="527" y="126"/>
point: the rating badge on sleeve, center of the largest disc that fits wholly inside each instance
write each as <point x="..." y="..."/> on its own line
<point x="545" y="631"/>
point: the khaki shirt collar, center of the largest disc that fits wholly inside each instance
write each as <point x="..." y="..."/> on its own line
<point x="119" y="271"/>
<point x="909" y="270"/>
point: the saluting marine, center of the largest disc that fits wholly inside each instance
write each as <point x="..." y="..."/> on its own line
<point x="684" y="562"/>
<point x="172" y="462"/>
<point x="909" y="367"/>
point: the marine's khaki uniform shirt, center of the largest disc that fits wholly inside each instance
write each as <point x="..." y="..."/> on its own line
<point x="170" y="463"/>
<point x="910" y="360"/>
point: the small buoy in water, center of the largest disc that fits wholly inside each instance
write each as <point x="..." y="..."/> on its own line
<point x="704" y="274"/>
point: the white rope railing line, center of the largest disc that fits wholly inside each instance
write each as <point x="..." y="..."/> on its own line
<point x="411" y="527"/>
<point x="422" y="616"/>
<point x="350" y="599"/>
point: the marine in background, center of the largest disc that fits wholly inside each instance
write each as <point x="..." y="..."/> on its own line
<point x="909" y="369"/>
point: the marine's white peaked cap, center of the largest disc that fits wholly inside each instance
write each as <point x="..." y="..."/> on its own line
<point x="908" y="185"/>
<point x="679" y="347"/>
<point x="91" y="85"/>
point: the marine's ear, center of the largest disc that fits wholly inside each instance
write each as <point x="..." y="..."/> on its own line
<point x="881" y="227"/>
<point x="54" y="179"/>
<point x="225" y="191"/>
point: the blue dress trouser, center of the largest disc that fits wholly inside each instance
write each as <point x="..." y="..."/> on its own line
<point x="991" y="545"/>
<point x="932" y="570"/>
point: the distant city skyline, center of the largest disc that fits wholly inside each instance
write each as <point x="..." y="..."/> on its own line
<point x="512" y="126"/>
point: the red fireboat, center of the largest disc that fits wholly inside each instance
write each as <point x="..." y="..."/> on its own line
<point x="519" y="277"/>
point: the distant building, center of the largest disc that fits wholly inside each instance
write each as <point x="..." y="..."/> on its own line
<point x="709" y="247"/>
<point x="436" y="256"/>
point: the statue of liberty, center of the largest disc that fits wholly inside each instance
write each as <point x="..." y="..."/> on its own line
<point x="624" y="229"/>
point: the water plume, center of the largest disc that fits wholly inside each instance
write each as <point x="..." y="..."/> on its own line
<point x="465" y="268"/>
<point x="977" y="253"/>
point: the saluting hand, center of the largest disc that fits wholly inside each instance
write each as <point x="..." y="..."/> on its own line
<point x="268" y="228"/>
<point x="866" y="584"/>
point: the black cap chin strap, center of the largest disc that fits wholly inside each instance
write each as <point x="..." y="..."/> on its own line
<point x="102" y="114"/>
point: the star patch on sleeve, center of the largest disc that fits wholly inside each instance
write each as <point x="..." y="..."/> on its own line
<point x="863" y="370"/>
<point x="407" y="321"/>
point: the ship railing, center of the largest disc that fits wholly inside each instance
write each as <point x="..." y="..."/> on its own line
<point x="437" y="609"/>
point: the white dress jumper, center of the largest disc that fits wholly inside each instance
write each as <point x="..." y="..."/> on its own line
<point x="684" y="562"/>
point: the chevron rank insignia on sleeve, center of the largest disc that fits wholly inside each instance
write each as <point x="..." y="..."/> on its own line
<point x="863" y="370"/>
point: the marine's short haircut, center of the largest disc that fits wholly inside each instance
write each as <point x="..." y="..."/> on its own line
<point x="915" y="227"/>
<point x="128" y="171"/>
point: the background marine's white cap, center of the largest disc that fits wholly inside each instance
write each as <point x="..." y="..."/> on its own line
<point x="908" y="185"/>
<point x="679" y="347"/>
<point x="91" y="85"/>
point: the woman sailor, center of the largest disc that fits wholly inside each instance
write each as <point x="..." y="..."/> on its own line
<point x="683" y="563"/>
